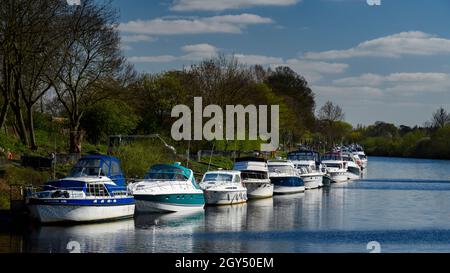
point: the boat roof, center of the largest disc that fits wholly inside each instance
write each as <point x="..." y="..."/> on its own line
<point x="280" y="162"/>
<point x="233" y="172"/>
<point x="175" y="168"/>
<point x="303" y="152"/>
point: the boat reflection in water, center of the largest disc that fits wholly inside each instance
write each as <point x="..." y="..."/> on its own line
<point x="168" y="233"/>
<point x="226" y="218"/>
<point x="108" y="237"/>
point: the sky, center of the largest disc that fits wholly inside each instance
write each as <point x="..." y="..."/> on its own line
<point x="388" y="62"/>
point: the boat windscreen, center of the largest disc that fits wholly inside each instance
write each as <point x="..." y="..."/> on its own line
<point x="253" y="175"/>
<point x="89" y="167"/>
<point x="217" y="177"/>
<point x="166" y="173"/>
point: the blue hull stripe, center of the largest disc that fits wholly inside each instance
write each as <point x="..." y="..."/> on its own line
<point x="287" y="181"/>
<point x="100" y="202"/>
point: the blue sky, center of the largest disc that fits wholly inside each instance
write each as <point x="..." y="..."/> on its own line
<point x="389" y="62"/>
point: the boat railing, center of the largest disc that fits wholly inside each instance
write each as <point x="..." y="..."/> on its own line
<point x="93" y="190"/>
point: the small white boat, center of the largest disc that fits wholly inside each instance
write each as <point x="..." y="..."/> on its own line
<point x="335" y="166"/>
<point x="223" y="188"/>
<point x="308" y="164"/>
<point x="168" y="188"/>
<point x="353" y="169"/>
<point x="94" y="191"/>
<point x="255" y="177"/>
<point x="285" y="177"/>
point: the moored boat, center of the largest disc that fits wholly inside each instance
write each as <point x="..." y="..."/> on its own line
<point x="255" y="177"/>
<point x="285" y="177"/>
<point x="335" y="167"/>
<point x="168" y="188"/>
<point x="223" y="188"/>
<point x="95" y="190"/>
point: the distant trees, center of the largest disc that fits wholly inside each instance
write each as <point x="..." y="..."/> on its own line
<point x="331" y="112"/>
<point x="440" y="118"/>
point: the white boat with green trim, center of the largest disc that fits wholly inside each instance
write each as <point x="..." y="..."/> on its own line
<point x="168" y="188"/>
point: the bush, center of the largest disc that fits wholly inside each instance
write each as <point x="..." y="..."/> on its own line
<point x="25" y="176"/>
<point x="136" y="158"/>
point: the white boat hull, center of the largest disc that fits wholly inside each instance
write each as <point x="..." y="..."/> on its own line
<point x="157" y="207"/>
<point x="288" y="190"/>
<point x="313" y="181"/>
<point x="351" y="176"/>
<point x="259" y="190"/>
<point x="220" y="197"/>
<point x="338" y="178"/>
<point x="62" y="213"/>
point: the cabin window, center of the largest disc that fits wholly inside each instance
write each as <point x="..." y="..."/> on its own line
<point x="237" y="179"/>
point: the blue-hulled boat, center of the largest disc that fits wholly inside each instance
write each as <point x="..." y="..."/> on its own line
<point x="95" y="190"/>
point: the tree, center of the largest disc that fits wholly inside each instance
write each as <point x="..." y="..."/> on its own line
<point x="297" y="96"/>
<point x="331" y="112"/>
<point x="440" y="118"/>
<point x="110" y="117"/>
<point x="91" y="57"/>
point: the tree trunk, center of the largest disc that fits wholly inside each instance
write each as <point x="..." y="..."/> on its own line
<point x="20" y="123"/>
<point x="75" y="140"/>
<point x="4" y="113"/>
<point x="33" y="144"/>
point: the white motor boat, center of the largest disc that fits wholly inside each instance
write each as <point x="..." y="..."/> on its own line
<point x="94" y="191"/>
<point x="255" y="177"/>
<point x="335" y="166"/>
<point x="168" y="188"/>
<point x="285" y="177"/>
<point x="353" y="169"/>
<point x="308" y="164"/>
<point x="223" y="188"/>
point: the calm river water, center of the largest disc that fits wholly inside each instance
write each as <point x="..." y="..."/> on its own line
<point x="402" y="204"/>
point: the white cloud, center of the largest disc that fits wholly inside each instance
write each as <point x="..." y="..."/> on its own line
<point x="198" y="52"/>
<point x="393" y="46"/>
<point x="201" y="25"/>
<point x="137" y="38"/>
<point x="219" y="5"/>
<point x="152" y="59"/>
<point x="257" y="59"/>
<point x="313" y="71"/>
<point x="397" y="81"/>
<point x="195" y="52"/>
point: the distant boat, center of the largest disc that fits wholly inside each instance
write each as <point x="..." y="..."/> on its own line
<point x="285" y="177"/>
<point x="168" y="188"/>
<point x="309" y="166"/>
<point x="223" y="188"/>
<point x="335" y="166"/>
<point x="95" y="190"/>
<point x="255" y="177"/>
<point x="353" y="169"/>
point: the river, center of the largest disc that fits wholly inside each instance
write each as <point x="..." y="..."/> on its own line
<point x="402" y="205"/>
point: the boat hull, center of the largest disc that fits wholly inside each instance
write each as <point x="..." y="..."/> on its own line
<point x="167" y="203"/>
<point x="222" y="197"/>
<point x="313" y="181"/>
<point x="259" y="190"/>
<point x="46" y="213"/>
<point x="338" y="178"/>
<point x="280" y="190"/>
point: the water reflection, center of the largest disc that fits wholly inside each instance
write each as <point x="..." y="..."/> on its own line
<point x="158" y="233"/>
<point x="99" y="238"/>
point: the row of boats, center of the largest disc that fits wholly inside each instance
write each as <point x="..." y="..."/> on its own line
<point x="96" y="189"/>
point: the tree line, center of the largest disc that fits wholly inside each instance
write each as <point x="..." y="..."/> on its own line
<point x="58" y="60"/>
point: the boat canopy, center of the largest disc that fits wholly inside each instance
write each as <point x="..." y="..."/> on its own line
<point x="169" y="172"/>
<point x="99" y="165"/>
